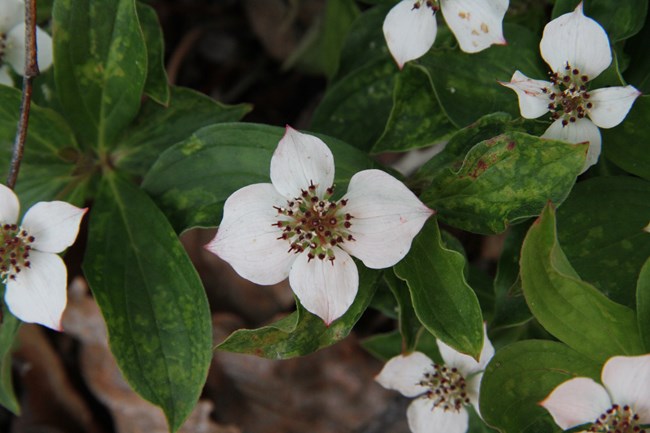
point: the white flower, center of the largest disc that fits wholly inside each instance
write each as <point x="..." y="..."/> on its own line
<point x="441" y="391"/>
<point x="291" y="228"/>
<point x="410" y="26"/>
<point x="35" y="276"/>
<point x="621" y="405"/>
<point x="577" y="50"/>
<point x="12" y="41"/>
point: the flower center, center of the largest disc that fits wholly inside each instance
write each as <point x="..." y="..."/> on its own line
<point x="568" y="95"/>
<point x="314" y="224"/>
<point x="617" y="419"/>
<point x="446" y="388"/>
<point x="433" y="5"/>
<point x="14" y="251"/>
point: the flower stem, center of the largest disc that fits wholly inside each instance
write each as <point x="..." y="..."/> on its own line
<point x="31" y="71"/>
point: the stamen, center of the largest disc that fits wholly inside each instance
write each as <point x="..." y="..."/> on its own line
<point x="14" y="251"/>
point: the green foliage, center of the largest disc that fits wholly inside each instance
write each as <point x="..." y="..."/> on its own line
<point x="443" y="301"/>
<point x="301" y="332"/>
<point x="151" y="297"/>
<point x="643" y="304"/>
<point x="523" y="374"/>
<point x="569" y="307"/>
<point x="155" y="86"/>
<point x="409" y="325"/>
<point x="8" y="329"/>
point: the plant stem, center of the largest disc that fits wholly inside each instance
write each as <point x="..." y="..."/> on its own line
<point x="31" y="71"/>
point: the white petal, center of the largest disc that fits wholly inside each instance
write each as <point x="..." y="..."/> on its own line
<point x="576" y="39"/>
<point x="403" y="373"/>
<point x="576" y="401"/>
<point x="473" y="390"/>
<point x="581" y="131"/>
<point x="477" y="24"/>
<point x="422" y="418"/>
<point x="533" y="102"/>
<point x="325" y="288"/>
<point x="9" y="206"/>
<point x="15" y="48"/>
<point x="409" y="31"/>
<point x="38" y="294"/>
<point x="12" y="12"/>
<point x="386" y="218"/>
<point x="54" y="225"/>
<point x="5" y="78"/>
<point x="299" y="160"/>
<point x="628" y="380"/>
<point x="465" y="363"/>
<point x="611" y="105"/>
<point x="247" y="238"/>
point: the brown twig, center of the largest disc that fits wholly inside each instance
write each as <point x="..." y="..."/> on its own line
<point x="31" y="71"/>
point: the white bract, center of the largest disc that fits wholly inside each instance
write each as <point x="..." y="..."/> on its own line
<point x="12" y="41"/>
<point x="34" y="275"/>
<point x="441" y="391"/>
<point x="620" y="404"/>
<point x="410" y="27"/>
<point x="577" y="50"/>
<point x="292" y="228"/>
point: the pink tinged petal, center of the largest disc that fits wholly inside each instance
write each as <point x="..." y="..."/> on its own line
<point x="423" y="418"/>
<point x="5" y="78"/>
<point x="576" y="39"/>
<point x="627" y="378"/>
<point x="409" y="31"/>
<point x="580" y="131"/>
<point x="54" y="225"/>
<point x="325" y="288"/>
<point x="386" y="218"/>
<point x="576" y="401"/>
<point x="533" y="102"/>
<point x="12" y="12"/>
<point x="247" y="238"/>
<point x="38" y="294"/>
<point x="301" y="159"/>
<point x="611" y="105"/>
<point x="477" y="24"/>
<point x="403" y="373"/>
<point x="9" y="206"/>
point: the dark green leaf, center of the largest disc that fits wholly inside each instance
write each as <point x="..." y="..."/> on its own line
<point x="442" y="299"/>
<point x="504" y="179"/>
<point x="626" y="145"/>
<point x="643" y="304"/>
<point x="409" y="325"/>
<point x="386" y="346"/>
<point x="8" y="330"/>
<point x="193" y="179"/>
<point x="320" y="49"/>
<point x="356" y="108"/>
<point x="151" y="297"/>
<point x="301" y="332"/>
<point x="620" y="19"/>
<point x="100" y="65"/>
<point x="523" y="374"/>
<point x="416" y="119"/>
<point x="155" y="86"/>
<point x="638" y="50"/>
<point x="157" y="128"/>
<point x="606" y="244"/>
<point x="568" y="307"/>
<point x="467" y="84"/>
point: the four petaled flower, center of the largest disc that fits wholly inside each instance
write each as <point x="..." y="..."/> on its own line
<point x="577" y="50"/>
<point x="410" y="27"/>
<point x="12" y="41"/>
<point x="34" y="275"/>
<point x="442" y="391"/>
<point x="620" y="404"/>
<point x="291" y="227"/>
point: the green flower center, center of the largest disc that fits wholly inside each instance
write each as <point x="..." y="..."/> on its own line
<point x="446" y="388"/>
<point x="314" y="224"/>
<point x="569" y="99"/>
<point x="617" y="419"/>
<point x="14" y="251"/>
